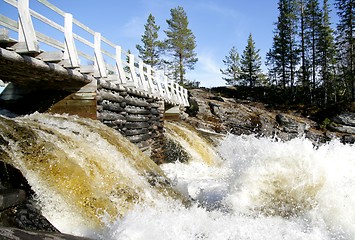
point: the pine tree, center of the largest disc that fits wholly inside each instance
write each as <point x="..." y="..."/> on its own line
<point x="312" y="38"/>
<point x="151" y="50"/>
<point x="272" y="68"/>
<point x="180" y="44"/>
<point x="327" y="54"/>
<point x="232" y="62"/>
<point x="250" y="63"/>
<point x="285" y="52"/>
<point x="345" y="42"/>
<point x="304" y="71"/>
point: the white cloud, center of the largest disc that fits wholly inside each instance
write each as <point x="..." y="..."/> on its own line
<point x="220" y="9"/>
<point x="134" y="27"/>
<point x="207" y="71"/>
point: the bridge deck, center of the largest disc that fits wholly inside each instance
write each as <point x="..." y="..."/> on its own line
<point x="31" y="72"/>
<point x="110" y="64"/>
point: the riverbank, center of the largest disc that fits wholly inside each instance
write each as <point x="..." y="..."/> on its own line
<point x="212" y="110"/>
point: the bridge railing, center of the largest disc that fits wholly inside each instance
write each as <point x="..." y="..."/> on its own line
<point x="84" y="49"/>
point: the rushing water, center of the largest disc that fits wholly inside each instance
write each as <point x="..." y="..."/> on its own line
<point x="265" y="189"/>
<point x="262" y="189"/>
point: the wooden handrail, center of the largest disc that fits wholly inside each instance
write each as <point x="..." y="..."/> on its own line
<point x="127" y="69"/>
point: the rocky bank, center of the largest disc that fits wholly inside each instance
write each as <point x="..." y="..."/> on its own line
<point x="211" y="111"/>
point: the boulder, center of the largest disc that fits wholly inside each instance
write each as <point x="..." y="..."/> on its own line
<point x="14" y="233"/>
<point x="345" y="119"/>
<point x="11" y="198"/>
<point x="246" y="117"/>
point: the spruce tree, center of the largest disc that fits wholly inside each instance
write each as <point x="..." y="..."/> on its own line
<point x="250" y="63"/>
<point x="304" y="71"/>
<point x="313" y="25"/>
<point x="327" y="54"/>
<point x="284" y="53"/>
<point x="232" y="62"/>
<point x="180" y="44"/>
<point x="151" y="50"/>
<point x="272" y="68"/>
<point x="345" y="42"/>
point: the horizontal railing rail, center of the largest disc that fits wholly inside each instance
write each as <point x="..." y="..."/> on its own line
<point x="71" y="49"/>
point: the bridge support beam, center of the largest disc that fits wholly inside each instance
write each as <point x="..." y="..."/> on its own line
<point x="137" y="116"/>
<point x="81" y="103"/>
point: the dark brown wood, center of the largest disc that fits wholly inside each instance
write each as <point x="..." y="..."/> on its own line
<point x="81" y="107"/>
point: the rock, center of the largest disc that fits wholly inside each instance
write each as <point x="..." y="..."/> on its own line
<point x="17" y="208"/>
<point x="14" y="233"/>
<point x="348" y="139"/>
<point x="28" y="216"/>
<point x="214" y="108"/>
<point x="289" y="125"/>
<point x="193" y="109"/>
<point x="342" y="128"/>
<point x="217" y="98"/>
<point x="345" y="119"/>
<point x="11" y="198"/>
<point x="247" y="117"/>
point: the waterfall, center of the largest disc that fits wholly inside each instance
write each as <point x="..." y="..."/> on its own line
<point x="83" y="172"/>
<point x="92" y="182"/>
<point x="198" y="148"/>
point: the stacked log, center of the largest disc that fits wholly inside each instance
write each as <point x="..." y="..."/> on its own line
<point x="138" y="117"/>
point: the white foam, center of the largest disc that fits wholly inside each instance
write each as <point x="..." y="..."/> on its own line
<point x="265" y="189"/>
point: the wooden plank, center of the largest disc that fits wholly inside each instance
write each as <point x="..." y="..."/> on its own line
<point x="99" y="60"/>
<point x="50" y="56"/>
<point x="76" y="104"/>
<point x="4" y="35"/>
<point x="108" y="42"/>
<point x="11" y="2"/>
<point x="87" y="69"/>
<point x="83" y="40"/>
<point x="50" y="41"/>
<point x="47" y="21"/>
<point x="13" y="25"/>
<point x="88" y="57"/>
<point x="8" y="23"/>
<point x="70" y="52"/>
<point x="83" y="96"/>
<point x="119" y="65"/>
<point x="80" y="107"/>
<point x="26" y="30"/>
<point x="133" y="72"/>
<point x="52" y="7"/>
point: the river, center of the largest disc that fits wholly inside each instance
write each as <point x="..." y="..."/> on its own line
<point x="91" y="182"/>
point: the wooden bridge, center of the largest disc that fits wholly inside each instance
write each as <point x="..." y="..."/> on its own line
<point x="71" y="62"/>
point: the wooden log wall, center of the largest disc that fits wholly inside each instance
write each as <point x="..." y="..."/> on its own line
<point x="137" y="116"/>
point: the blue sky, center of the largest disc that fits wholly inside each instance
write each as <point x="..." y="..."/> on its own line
<point x="217" y="26"/>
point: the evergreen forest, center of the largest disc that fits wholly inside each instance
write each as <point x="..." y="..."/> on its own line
<point x="311" y="60"/>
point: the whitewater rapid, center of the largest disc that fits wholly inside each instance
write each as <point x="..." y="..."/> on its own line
<point x="265" y="189"/>
<point x="90" y="181"/>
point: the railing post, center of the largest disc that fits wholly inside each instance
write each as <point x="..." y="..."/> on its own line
<point x="150" y="80"/>
<point x="119" y="65"/>
<point x="182" y="96"/>
<point x="141" y="74"/>
<point x="168" y="94"/>
<point x="99" y="60"/>
<point x="186" y="97"/>
<point x="70" y="54"/>
<point x="179" y="93"/>
<point x="158" y="76"/>
<point x="173" y="89"/>
<point x="132" y="69"/>
<point x="26" y="33"/>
